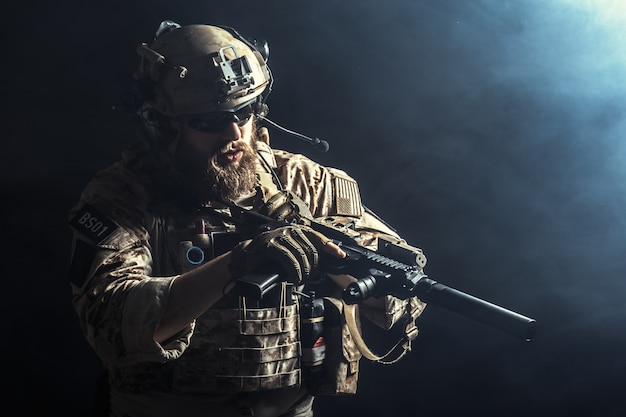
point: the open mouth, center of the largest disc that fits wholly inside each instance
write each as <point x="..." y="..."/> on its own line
<point x="230" y="156"/>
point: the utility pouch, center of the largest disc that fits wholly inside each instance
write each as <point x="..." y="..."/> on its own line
<point x="341" y="372"/>
<point x="345" y="346"/>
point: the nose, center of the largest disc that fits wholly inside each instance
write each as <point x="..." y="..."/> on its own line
<point x="231" y="132"/>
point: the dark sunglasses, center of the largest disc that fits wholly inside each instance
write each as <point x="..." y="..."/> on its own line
<point x="215" y="122"/>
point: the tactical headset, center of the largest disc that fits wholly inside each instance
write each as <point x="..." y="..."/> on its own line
<point x="156" y="108"/>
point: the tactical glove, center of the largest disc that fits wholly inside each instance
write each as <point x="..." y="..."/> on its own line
<point x="292" y="251"/>
<point x="287" y="206"/>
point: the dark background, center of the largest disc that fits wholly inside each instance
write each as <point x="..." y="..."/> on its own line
<point x="488" y="132"/>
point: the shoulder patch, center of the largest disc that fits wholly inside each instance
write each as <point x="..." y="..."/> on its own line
<point x="93" y="224"/>
<point x="347" y="197"/>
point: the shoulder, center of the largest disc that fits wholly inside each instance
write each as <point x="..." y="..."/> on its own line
<point x="298" y="162"/>
<point x="111" y="208"/>
<point x="285" y="159"/>
<point x="327" y="190"/>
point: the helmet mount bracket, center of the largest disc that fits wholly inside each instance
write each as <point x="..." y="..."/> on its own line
<point x="236" y="73"/>
<point x="153" y="61"/>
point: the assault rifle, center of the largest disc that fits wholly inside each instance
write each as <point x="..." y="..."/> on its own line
<point x="391" y="269"/>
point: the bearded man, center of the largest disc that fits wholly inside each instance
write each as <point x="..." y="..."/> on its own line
<point x="156" y="255"/>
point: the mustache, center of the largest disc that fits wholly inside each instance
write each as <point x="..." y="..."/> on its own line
<point x="233" y="147"/>
<point x="214" y="161"/>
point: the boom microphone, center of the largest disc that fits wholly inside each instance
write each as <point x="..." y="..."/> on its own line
<point x="321" y="145"/>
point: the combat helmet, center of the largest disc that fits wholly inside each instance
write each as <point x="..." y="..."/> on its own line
<point x="199" y="68"/>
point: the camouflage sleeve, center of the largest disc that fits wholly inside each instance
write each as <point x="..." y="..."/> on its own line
<point x="118" y="303"/>
<point x="119" y="308"/>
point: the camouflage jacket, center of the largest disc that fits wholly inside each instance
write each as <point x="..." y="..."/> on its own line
<point x="131" y="239"/>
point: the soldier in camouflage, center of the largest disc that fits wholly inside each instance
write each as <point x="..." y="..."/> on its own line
<point x="155" y="257"/>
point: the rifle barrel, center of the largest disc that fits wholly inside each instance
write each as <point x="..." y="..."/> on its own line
<point x="475" y="308"/>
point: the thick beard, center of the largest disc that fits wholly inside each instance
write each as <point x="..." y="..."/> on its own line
<point x="191" y="184"/>
<point x="228" y="182"/>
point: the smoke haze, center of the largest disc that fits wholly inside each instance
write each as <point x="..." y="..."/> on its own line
<point x="490" y="133"/>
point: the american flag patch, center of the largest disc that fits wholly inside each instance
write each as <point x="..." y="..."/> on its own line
<point x="347" y="197"/>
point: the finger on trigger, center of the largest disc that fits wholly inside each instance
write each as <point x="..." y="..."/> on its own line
<point x="334" y="249"/>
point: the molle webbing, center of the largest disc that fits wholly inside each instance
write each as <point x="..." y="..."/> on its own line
<point x="233" y="350"/>
<point x="251" y="349"/>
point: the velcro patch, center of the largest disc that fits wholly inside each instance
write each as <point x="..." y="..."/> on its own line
<point x="93" y="224"/>
<point x="347" y="197"/>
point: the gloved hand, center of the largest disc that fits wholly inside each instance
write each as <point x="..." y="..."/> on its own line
<point x="286" y="205"/>
<point x="294" y="250"/>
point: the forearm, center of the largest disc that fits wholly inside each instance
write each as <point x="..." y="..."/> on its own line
<point x="191" y="294"/>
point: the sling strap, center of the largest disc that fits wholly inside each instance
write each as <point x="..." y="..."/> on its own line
<point x="397" y="351"/>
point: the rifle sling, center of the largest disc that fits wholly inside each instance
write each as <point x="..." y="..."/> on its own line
<point x="394" y="354"/>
